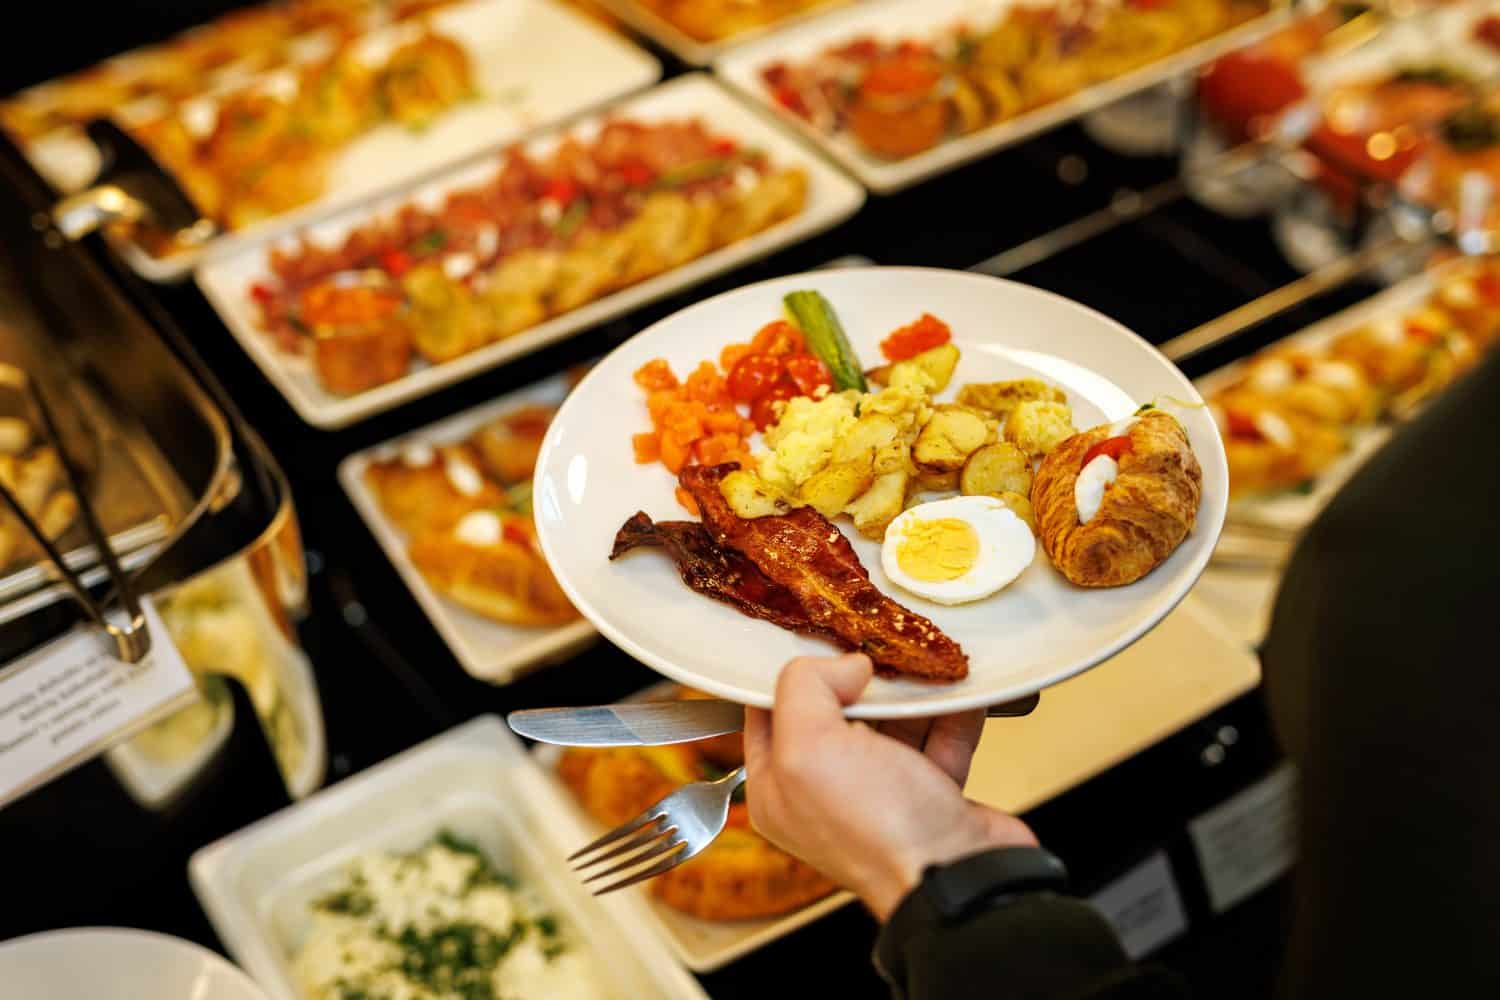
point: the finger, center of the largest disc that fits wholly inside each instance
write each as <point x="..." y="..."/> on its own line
<point x="911" y="732"/>
<point x="757" y="741"/>
<point x="952" y="740"/>
<point x="810" y="697"/>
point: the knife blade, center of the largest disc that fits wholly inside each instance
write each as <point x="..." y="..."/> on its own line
<point x="626" y="725"/>
<point x="657" y="723"/>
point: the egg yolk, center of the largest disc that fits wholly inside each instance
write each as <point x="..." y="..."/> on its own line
<point x="938" y="550"/>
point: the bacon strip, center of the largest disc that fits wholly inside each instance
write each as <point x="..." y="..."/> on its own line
<point x="803" y="552"/>
<point x="718" y="572"/>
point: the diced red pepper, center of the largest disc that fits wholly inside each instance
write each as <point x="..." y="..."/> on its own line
<point x="636" y="173"/>
<point x="396" y="262"/>
<point x="514" y="531"/>
<point x="1420" y="333"/>
<point x="561" y="190"/>
<point x="1242" y="425"/>
<point x="262" y="293"/>
<point x="723" y="147"/>
<point x="1113" y="447"/>
<point x="1488" y="286"/>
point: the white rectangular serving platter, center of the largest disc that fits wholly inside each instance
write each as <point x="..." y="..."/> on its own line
<point x="701" y="945"/>
<point x="533" y="61"/>
<point x="226" y="280"/>
<point x="923" y="18"/>
<point x="475" y="781"/>
<point x="489" y="650"/>
<point x="691" y="50"/>
<point x="1290" y="512"/>
<point x="1439" y="35"/>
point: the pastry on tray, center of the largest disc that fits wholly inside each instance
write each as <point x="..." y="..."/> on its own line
<point x="1113" y="502"/>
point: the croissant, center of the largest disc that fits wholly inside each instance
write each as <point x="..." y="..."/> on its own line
<point x="1144" y="515"/>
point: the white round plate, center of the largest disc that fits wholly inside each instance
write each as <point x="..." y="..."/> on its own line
<point x="117" y="963"/>
<point x="1036" y="632"/>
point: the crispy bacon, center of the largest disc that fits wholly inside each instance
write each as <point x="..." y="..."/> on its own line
<point x="718" y="572"/>
<point x="805" y="553"/>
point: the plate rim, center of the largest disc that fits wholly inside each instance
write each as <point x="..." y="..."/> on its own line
<point x="1175" y="594"/>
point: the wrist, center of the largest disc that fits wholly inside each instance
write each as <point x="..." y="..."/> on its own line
<point x="986" y="829"/>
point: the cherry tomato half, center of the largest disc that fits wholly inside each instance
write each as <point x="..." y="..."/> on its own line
<point x="808" y="373"/>
<point x="764" y="410"/>
<point x="753" y="377"/>
<point x="778" y="337"/>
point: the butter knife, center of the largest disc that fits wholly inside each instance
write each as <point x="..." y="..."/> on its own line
<point x="657" y="723"/>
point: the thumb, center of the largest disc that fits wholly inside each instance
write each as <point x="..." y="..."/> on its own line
<point x="811" y="694"/>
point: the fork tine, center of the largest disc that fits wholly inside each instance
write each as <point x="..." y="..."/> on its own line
<point x="673" y="842"/>
<point x="649" y="816"/>
<point x="653" y="832"/>
<point x="666" y="864"/>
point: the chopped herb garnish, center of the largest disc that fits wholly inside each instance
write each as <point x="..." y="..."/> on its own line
<point x="518" y="498"/>
<point x="547" y="924"/>
<point x="698" y="170"/>
<point x="1144" y="407"/>
<point x="1304" y="488"/>
<point x="1434" y="73"/>
<point x="576" y="215"/>
<point x="349" y="902"/>
<point x="432" y="242"/>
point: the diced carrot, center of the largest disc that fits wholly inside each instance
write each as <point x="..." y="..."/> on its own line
<point x="733" y="355"/>
<point x="705" y="384"/>
<point x="713" y="450"/>
<point x="655" y="375"/>
<point x="686" y="499"/>
<point x="658" y="402"/>
<point x="747" y="427"/>
<point x="647" y="447"/>
<point x="683" y="420"/>
<point x="723" y="421"/>
<point x="674" y="453"/>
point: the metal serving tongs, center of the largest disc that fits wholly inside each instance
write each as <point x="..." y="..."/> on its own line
<point x="132" y="639"/>
<point x="131" y="187"/>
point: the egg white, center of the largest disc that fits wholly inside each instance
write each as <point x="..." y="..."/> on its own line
<point x="1006" y="548"/>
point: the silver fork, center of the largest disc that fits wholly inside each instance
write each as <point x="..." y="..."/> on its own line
<point x="664" y="836"/>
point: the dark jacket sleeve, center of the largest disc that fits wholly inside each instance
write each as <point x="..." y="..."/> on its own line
<point x="1038" y="946"/>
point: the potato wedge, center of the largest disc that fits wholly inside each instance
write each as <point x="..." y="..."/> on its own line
<point x="1022" y="507"/>
<point x="1037" y="427"/>
<point x="830" y="491"/>
<point x="999" y="398"/>
<point x="933" y="481"/>
<point x="878" y="506"/>
<point x="994" y="469"/>
<point x="937" y="364"/>
<point x="869" y="434"/>
<point x="749" y="496"/>
<point x="950" y="437"/>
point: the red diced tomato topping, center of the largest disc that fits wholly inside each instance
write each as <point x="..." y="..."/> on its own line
<point x="723" y="147"/>
<point x="1113" y="447"/>
<point x="396" y="262"/>
<point x="262" y="293"/>
<point x="636" y="174"/>
<point x="912" y="339"/>
<point x="561" y="190"/>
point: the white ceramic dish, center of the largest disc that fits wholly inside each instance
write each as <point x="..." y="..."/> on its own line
<point x="487" y="649"/>
<point x="474" y="780"/>
<point x="1038" y="631"/>
<point x="921" y="19"/>
<point x="533" y="61"/>
<point x="701" y="945"/>
<point x="92" y="963"/>
<point x="1292" y="511"/>
<point x="691" y="50"/>
<point x="831" y="198"/>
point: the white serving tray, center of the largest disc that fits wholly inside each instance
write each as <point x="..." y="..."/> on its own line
<point x="923" y="18"/>
<point x="831" y="198"/>
<point x="689" y="49"/>
<point x="533" y="62"/>
<point x="1291" y="512"/>
<point x="487" y="649"/>
<point x="474" y="780"/>
<point x="701" y="945"/>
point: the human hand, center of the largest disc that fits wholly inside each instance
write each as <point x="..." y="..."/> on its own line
<point x="869" y="807"/>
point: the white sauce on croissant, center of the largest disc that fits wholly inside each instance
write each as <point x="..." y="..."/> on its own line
<point x="1088" y="488"/>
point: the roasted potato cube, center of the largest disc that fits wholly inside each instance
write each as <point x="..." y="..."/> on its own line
<point x="933" y="481"/>
<point x="749" y="496"/>
<point x="893" y="457"/>
<point x="865" y="439"/>
<point x="999" y="398"/>
<point x="878" y="506"/>
<point x="1036" y="427"/>
<point x="1022" y="506"/>
<point x="354" y="359"/>
<point x="831" y="490"/>
<point x="950" y="437"/>
<point x="937" y="364"/>
<point x="446" y="322"/>
<point x="994" y="469"/>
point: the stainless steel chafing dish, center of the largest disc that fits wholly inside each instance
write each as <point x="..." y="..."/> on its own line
<point x="195" y="507"/>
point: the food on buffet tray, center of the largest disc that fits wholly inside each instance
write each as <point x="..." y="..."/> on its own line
<point x="33" y="473"/>
<point x="438" y="923"/>
<point x="739" y="876"/>
<point x="465" y="510"/>
<point x="199" y="61"/>
<point x="545" y="236"/>
<point x="1292" y="411"/>
<point x="901" y="97"/>
<point x="874" y="445"/>
<point x="1114" y="501"/>
<point x="716" y="20"/>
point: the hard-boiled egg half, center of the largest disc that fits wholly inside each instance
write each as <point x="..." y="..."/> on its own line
<point x="957" y="550"/>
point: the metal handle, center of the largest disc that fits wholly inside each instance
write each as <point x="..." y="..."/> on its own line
<point x="78" y="215"/>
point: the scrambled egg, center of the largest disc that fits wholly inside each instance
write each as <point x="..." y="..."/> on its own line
<point x="802" y="442"/>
